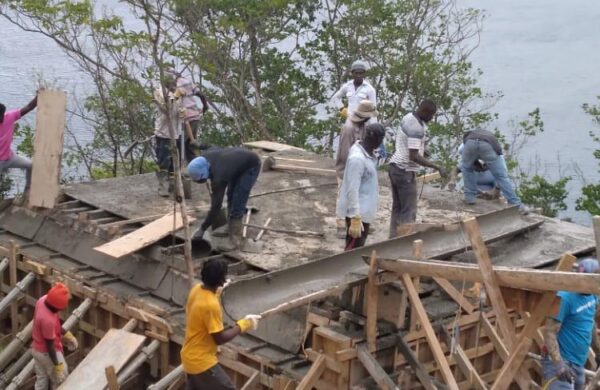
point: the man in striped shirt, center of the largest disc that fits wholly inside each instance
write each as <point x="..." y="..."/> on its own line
<point x="406" y="162"/>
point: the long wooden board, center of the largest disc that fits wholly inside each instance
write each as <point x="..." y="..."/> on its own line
<point x="143" y="236"/>
<point x="48" y="148"/>
<point x="115" y="349"/>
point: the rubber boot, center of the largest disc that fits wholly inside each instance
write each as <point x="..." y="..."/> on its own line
<point x="235" y="232"/>
<point x="163" y="177"/>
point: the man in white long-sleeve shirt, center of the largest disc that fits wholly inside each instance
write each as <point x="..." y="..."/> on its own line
<point x="359" y="194"/>
<point x="354" y="90"/>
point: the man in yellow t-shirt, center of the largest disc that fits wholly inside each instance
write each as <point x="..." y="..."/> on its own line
<point x="205" y="331"/>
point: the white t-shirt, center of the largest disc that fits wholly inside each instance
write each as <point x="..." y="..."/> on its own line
<point x="411" y="135"/>
<point x="354" y="95"/>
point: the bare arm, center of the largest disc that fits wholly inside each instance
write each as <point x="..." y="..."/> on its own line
<point x="226" y="335"/>
<point x="550" y="332"/>
<point x="51" y="351"/>
<point x="29" y="107"/>
<point x="417" y="158"/>
<point x="595" y="339"/>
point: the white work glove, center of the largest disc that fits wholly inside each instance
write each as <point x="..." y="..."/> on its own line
<point x="70" y="341"/>
<point x="220" y="289"/>
<point x="250" y="322"/>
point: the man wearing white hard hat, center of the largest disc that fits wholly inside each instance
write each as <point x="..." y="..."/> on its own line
<point x="354" y="91"/>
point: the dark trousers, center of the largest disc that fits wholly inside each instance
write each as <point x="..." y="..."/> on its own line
<point x="352" y="242"/>
<point x="164" y="157"/>
<point x="404" y="198"/>
<point x="214" y="378"/>
<point x="188" y="150"/>
<point x="239" y="192"/>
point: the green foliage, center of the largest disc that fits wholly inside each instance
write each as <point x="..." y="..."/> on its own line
<point x="26" y="134"/>
<point x="541" y="193"/>
<point x="590" y="198"/>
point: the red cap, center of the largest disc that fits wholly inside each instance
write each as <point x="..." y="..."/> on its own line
<point x="58" y="296"/>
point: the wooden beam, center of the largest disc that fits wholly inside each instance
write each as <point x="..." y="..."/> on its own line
<point x="490" y="281"/>
<point x="143" y="236"/>
<point x="13" y="249"/>
<point x="313" y="374"/>
<point x="371" y="300"/>
<point x="489" y="330"/>
<point x="111" y="378"/>
<point x="518" y="353"/>
<point x="417" y="253"/>
<point x="48" y="148"/>
<point x="456" y="295"/>
<point x="374" y="368"/>
<point x="434" y="344"/>
<point x="419" y="369"/>
<point x="463" y="362"/>
<point x="253" y="381"/>
<point x="596" y="223"/>
<point x="523" y="278"/>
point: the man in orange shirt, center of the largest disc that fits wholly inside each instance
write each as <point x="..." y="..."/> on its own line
<point x="205" y="331"/>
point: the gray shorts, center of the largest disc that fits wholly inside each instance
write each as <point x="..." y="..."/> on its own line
<point x="214" y="378"/>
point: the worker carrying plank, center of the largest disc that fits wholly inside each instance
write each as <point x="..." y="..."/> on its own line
<point x="234" y="170"/>
<point x="359" y="195"/>
<point x="352" y="131"/>
<point x="568" y="335"/>
<point x="8" y="158"/>
<point x="406" y="161"/>
<point x="205" y="331"/>
<point x="48" y="338"/>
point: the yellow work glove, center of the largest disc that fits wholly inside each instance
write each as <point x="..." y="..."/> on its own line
<point x="59" y="372"/>
<point x="344" y="112"/>
<point x="249" y="322"/>
<point x="356" y="227"/>
<point x="70" y="341"/>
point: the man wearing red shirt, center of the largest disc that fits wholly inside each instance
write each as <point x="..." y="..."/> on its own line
<point x="48" y="337"/>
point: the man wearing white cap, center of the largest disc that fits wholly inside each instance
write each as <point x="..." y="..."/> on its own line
<point x="568" y="335"/>
<point x="355" y="90"/>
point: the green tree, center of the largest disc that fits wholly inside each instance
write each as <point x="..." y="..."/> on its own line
<point x="590" y="198"/>
<point x="541" y="193"/>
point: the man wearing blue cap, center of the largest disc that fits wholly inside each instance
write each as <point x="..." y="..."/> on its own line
<point x="568" y="336"/>
<point x="231" y="169"/>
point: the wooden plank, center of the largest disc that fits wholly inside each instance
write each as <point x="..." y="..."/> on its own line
<point x="13" y="249"/>
<point x="270" y="146"/>
<point x="436" y="349"/>
<point x="523" y="278"/>
<point x="253" y="381"/>
<point x="596" y="223"/>
<point x="456" y="295"/>
<point x="313" y="374"/>
<point x="111" y="378"/>
<point x="374" y="368"/>
<point x="428" y="177"/>
<point x="48" y="148"/>
<point x="463" y="362"/>
<point x="417" y="252"/>
<point x="143" y="236"/>
<point x="518" y="353"/>
<point x="371" y="299"/>
<point x="489" y="330"/>
<point x="115" y="349"/>
<point x="419" y="369"/>
<point x="492" y="287"/>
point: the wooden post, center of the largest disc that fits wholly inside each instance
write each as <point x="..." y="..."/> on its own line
<point x="111" y="378"/>
<point x="375" y="369"/>
<point x="436" y="349"/>
<point x="489" y="280"/>
<point x="596" y="223"/>
<point x="417" y="252"/>
<point x="518" y="353"/>
<point x="313" y="374"/>
<point x="12" y="274"/>
<point x="372" y="298"/>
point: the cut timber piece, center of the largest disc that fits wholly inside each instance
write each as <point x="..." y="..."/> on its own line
<point x="463" y="362"/>
<point x="524" y="278"/>
<point x="490" y="281"/>
<point x="115" y="349"/>
<point x="372" y="298"/>
<point x="143" y="236"/>
<point x="375" y="370"/>
<point x="48" y="148"/>
<point x="429" y="177"/>
<point x="313" y="375"/>
<point x="252" y="382"/>
<point x="456" y="295"/>
<point x="596" y="223"/>
<point x="412" y="360"/>
<point x="518" y="353"/>
<point x="270" y="146"/>
<point x="432" y="340"/>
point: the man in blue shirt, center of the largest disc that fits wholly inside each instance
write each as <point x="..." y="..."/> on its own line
<point x="569" y="334"/>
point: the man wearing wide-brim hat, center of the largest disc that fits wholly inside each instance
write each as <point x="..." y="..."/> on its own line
<point x="352" y="131"/>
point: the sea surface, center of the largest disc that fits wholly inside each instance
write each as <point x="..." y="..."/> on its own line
<point x="538" y="53"/>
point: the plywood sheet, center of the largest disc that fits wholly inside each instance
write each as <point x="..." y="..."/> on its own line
<point x="143" y="236"/>
<point x="115" y="349"/>
<point x="270" y="146"/>
<point x="48" y="148"/>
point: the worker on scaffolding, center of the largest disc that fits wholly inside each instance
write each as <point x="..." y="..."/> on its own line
<point x="352" y="131"/>
<point x="48" y="338"/>
<point x="231" y="170"/>
<point x="568" y="335"/>
<point x="205" y="331"/>
<point x="8" y="158"/>
<point x="359" y="193"/>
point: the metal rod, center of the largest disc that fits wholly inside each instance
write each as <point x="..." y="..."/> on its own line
<point x="167" y="379"/>
<point x="11" y="350"/>
<point x="16" y="291"/>
<point x="144" y="355"/>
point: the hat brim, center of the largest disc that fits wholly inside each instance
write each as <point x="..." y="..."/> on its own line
<point x="358" y="116"/>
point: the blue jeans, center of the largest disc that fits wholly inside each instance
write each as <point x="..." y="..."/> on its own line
<point x="164" y="158"/>
<point x="550" y="372"/>
<point x="238" y="192"/>
<point x="476" y="149"/>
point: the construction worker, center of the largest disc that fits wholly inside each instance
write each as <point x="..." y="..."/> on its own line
<point x="359" y="194"/>
<point x="354" y="91"/>
<point x="193" y="113"/>
<point x="486" y="184"/>
<point x="483" y="145"/>
<point x="167" y="126"/>
<point x="352" y="131"/>
<point x="406" y="161"/>
<point x="234" y="170"/>
<point x="8" y="158"/>
<point x="48" y="338"/>
<point x="568" y="336"/>
<point x="204" y="331"/>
